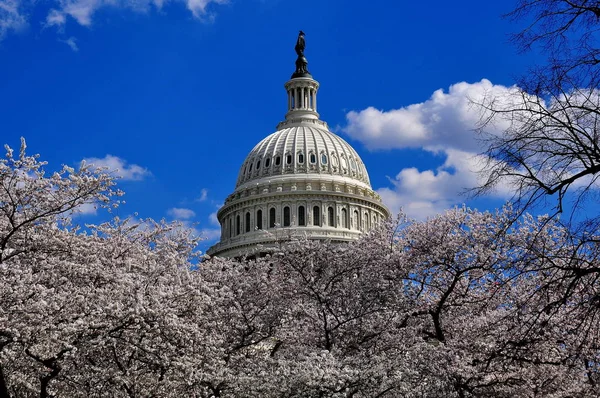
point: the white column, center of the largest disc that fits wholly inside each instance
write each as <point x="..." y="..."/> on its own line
<point x="289" y="101"/>
<point x="296" y="99"/>
<point x="315" y="100"/>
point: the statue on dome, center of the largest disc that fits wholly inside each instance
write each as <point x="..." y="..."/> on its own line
<point x="300" y="44"/>
<point x="301" y="62"/>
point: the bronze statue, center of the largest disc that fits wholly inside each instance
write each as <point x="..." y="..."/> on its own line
<point x="300" y="44"/>
<point x="301" y="62"/>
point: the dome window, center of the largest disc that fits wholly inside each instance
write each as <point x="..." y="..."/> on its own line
<point x="301" y="216"/>
<point x="330" y="216"/>
<point x="317" y="216"/>
<point x="334" y="160"/>
<point x="277" y="160"/>
<point x="250" y="171"/>
<point x="248" y="222"/>
<point x="259" y="219"/>
<point x="301" y="158"/>
<point x="323" y="158"/>
<point x="272" y="218"/>
<point x="313" y="158"/>
<point x="288" y="159"/>
<point x="267" y="162"/>
<point x="344" y="162"/>
<point x="258" y="165"/>
<point x="352" y="164"/>
<point x="286" y="216"/>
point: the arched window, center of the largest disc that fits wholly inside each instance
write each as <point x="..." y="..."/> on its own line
<point x="344" y="162"/>
<point x="258" y="165"/>
<point x="330" y="216"/>
<point x="352" y="164"/>
<point x="259" y="219"/>
<point x="248" y="221"/>
<point x="334" y="161"/>
<point x="313" y="158"/>
<point x="344" y="218"/>
<point x="277" y="160"/>
<point x="272" y="218"/>
<point x="238" y="229"/>
<point x="316" y="216"/>
<point x="250" y="170"/>
<point x="267" y="162"/>
<point x="356" y="220"/>
<point x="301" y="158"/>
<point x="367" y="222"/>
<point x="301" y="216"/>
<point x="323" y="158"/>
<point x="288" y="158"/>
<point x="286" y="216"/>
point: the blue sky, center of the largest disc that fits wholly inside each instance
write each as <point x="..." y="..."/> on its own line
<point x="176" y="93"/>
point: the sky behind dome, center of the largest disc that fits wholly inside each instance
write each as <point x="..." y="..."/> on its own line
<point x="175" y="94"/>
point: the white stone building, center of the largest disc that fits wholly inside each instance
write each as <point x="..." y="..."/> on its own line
<point x="302" y="180"/>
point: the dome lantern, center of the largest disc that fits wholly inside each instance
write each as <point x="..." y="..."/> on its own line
<point x="301" y="88"/>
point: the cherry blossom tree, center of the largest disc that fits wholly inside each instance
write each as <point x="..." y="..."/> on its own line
<point x="465" y="304"/>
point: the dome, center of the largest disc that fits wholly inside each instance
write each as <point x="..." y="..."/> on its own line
<point x="301" y="181"/>
<point x="305" y="151"/>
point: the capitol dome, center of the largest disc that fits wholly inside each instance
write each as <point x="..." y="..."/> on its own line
<point x="294" y="152"/>
<point x="302" y="180"/>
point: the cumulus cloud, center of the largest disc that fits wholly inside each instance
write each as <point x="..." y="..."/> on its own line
<point x="13" y="12"/>
<point x="181" y="213"/>
<point x="444" y="124"/>
<point x="422" y="194"/>
<point x="445" y="120"/>
<point x="118" y="166"/>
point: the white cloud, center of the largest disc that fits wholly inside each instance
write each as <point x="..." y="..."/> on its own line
<point x="199" y="7"/>
<point x="12" y="17"/>
<point x="212" y="218"/>
<point x="13" y="13"/>
<point x="424" y="193"/>
<point x="84" y="210"/>
<point x="210" y="234"/>
<point x="55" y="18"/>
<point x="181" y="213"/>
<point x="128" y="172"/>
<point x="203" y="195"/>
<point x="445" y="120"/>
<point x="87" y="208"/>
<point x="444" y="124"/>
<point x="71" y="42"/>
